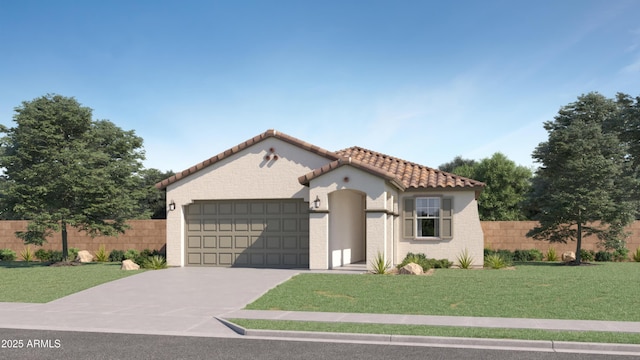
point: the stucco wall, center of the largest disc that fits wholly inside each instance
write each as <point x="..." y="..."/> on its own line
<point x="244" y="175"/>
<point x="144" y="234"/>
<point x="467" y="232"/>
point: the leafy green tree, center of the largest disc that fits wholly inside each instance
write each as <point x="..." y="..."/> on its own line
<point x="457" y="162"/>
<point x="507" y="185"/>
<point x="155" y="202"/>
<point x="584" y="181"/>
<point x="63" y="169"/>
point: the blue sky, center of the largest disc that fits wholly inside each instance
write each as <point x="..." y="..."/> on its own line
<point x="421" y="80"/>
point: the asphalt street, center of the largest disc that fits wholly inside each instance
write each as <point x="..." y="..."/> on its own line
<point x="40" y="344"/>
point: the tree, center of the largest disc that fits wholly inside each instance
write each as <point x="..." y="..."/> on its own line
<point x="457" y="162"/>
<point x="506" y="186"/>
<point x="584" y="181"/>
<point x="155" y="202"/>
<point x="63" y="169"/>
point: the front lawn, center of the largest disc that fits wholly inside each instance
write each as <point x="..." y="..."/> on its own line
<point x="38" y="283"/>
<point x="606" y="291"/>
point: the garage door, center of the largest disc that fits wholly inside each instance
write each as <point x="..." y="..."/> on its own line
<point x="248" y="233"/>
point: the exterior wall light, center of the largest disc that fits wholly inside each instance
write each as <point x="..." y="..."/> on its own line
<point x="172" y="205"/>
<point x="316" y="202"/>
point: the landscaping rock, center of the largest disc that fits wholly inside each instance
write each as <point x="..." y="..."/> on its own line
<point x="411" y="269"/>
<point x="129" y="265"/>
<point x="84" y="256"/>
<point x="568" y="256"/>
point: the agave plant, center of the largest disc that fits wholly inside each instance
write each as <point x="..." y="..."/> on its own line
<point x="465" y="260"/>
<point x="379" y="265"/>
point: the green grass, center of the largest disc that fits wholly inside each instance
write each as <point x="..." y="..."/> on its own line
<point x="39" y="283"/>
<point x="447" y="331"/>
<point x="607" y="291"/>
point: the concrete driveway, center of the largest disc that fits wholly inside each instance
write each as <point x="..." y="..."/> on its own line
<point x="175" y="301"/>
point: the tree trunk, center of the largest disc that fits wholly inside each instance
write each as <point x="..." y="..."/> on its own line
<point x="579" y="243"/>
<point x="65" y="250"/>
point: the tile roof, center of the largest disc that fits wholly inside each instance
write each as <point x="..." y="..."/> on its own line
<point x="401" y="173"/>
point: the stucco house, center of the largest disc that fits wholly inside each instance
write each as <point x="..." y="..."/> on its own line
<point x="276" y="201"/>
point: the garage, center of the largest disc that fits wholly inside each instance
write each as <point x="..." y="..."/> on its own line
<point x="248" y="233"/>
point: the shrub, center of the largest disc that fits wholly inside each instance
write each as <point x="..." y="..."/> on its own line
<point x="495" y="261"/>
<point x="636" y="255"/>
<point x="420" y="259"/>
<point x="587" y="255"/>
<point x="379" y="265"/>
<point x="603" y="256"/>
<point x="43" y="255"/>
<point x="144" y="255"/>
<point x="73" y="253"/>
<point x="131" y="254"/>
<point x="465" y="260"/>
<point x="621" y="254"/>
<point x="55" y="256"/>
<point x="27" y="254"/>
<point x="439" y="264"/>
<point x="155" y="262"/>
<point x="101" y="254"/>
<point x="505" y="254"/>
<point x="116" y="255"/>
<point x="7" y="255"/>
<point x="551" y="255"/>
<point x="527" y="255"/>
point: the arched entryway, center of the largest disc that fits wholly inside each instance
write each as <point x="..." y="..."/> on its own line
<point x="347" y="242"/>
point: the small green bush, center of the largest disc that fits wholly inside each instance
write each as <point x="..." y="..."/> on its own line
<point x="102" y="255"/>
<point x="55" y="256"/>
<point x="528" y="255"/>
<point x="495" y="261"/>
<point x="73" y="253"/>
<point x="587" y="255"/>
<point x="43" y="255"/>
<point x="379" y="265"/>
<point x="551" y="255"/>
<point x="7" y="255"/>
<point x="426" y="263"/>
<point x="602" y="256"/>
<point x="636" y="255"/>
<point x="27" y="254"/>
<point x="155" y="262"/>
<point x="144" y="255"/>
<point x="116" y="255"/>
<point x="131" y="254"/>
<point x="621" y="254"/>
<point x="505" y="254"/>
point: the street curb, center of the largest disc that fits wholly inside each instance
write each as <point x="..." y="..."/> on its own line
<point x="437" y="341"/>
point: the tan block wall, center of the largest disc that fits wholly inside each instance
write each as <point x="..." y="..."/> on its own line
<point x="144" y="234"/>
<point x="511" y="235"/>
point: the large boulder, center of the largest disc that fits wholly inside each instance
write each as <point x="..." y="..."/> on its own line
<point x="129" y="265"/>
<point x="411" y="269"/>
<point x="84" y="256"/>
<point x="568" y="256"/>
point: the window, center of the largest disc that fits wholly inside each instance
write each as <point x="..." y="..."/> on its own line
<point x="428" y="217"/>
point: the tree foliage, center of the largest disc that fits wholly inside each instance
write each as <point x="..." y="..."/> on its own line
<point x="457" y="162"/>
<point x="507" y="185"/>
<point x="585" y="183"/>
<point x="62" y="168"/>
<point x="155" y="202"/>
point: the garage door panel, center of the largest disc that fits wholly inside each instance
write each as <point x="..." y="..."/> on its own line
<point x="210" y="259"/>
<point x="255" y="233"/>
<point x="225" y="242"/>
<point x="209" y="242"/>
<point x="194" y="242"/>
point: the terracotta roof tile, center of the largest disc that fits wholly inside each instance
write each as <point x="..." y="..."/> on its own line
<point x="411" y="175"/>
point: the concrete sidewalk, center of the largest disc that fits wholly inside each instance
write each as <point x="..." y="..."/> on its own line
<point x="463" y="321"/>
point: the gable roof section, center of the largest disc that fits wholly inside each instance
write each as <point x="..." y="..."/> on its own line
<point x="236" y="149"/>
<point x="402" y="173"/>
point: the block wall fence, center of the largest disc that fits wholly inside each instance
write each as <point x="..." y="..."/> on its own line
<point x="511" y="235"/>
<point x="151" y="234"/>
<point x="143" y="234"/>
